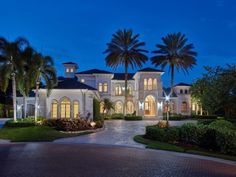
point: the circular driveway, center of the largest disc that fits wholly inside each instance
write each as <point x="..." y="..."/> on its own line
<point x="117" y="132"/>
<point x="86" y="160"/>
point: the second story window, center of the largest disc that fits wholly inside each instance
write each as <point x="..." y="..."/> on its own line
<point x="150" y="84"/>
<point x="118" y="90"/>
<point x="100" y="87"/>
<point x="186" y="91"/>
<point x="105" y="87"/>
<point x="129" y="90"/>
<point x="181" y="91"/>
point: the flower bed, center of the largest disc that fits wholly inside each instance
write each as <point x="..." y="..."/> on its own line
<point x="71" y="124"/>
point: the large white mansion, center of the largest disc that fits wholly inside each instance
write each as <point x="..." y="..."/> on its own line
<point x="75" y="92"/>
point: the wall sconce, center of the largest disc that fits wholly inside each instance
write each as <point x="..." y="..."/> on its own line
<point x="141" y="105"/>
<point x="159" y="105"/>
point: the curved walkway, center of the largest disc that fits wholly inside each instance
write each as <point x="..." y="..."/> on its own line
<point x="74" y="160"/>
<point x="117" y="132"/>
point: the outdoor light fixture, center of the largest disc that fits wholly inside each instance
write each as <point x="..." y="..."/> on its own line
<point x="167" y="97"/>
<point x="159" y="105"/>
<point x="141" y="105"/>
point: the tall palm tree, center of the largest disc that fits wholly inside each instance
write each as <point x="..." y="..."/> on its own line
<point x="108" y="105"/>
<point x="25" y="81"/>
<point x="125" y="49"/>
<point x="45" y="72"/>
<point x="11" y="64"/>
<point x="175" y="53"/>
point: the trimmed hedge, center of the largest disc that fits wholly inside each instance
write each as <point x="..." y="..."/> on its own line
<point x="170" y="134"/>
<point x="205" y="116"/>
<point x="220" y="135"/>
<point x="26" y="122"/>
<point x="133" y="118"/>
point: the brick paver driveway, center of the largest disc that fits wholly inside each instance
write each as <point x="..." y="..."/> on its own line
<point x="117" y="132"/>
<point x="87" y="160"/>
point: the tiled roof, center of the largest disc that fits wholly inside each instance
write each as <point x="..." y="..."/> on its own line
<point x="182" y="84"/>
<point x="121" y="76"/>
<point x="71" y="83"/>
<point x="94" y="71"/>
<point x="150" y="70"/>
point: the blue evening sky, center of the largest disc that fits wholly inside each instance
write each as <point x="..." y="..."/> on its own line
<point x="78" y="30"/>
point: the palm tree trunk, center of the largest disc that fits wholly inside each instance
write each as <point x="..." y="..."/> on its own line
<point x="14" y="95"/>
<point x="36" y="102"/>
<point x="25" y="105"/>
<point x="172" y="80"/>
<point x="126" y="85"/>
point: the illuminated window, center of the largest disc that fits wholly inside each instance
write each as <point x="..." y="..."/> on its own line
<point x="119" y="107"/>
<point x="130" y="107"/>
<point x="184" y="107"/>
<point x="76" y="109"/>
<point x="82" y="80"/>
<point x="65" y="108"/>
<point x="154" y="84"/>
<point x="54" y="109"/>
<point x="100" y="87"/>
<point x="102" y="107"/>
<point x="129" y="90"/>
<point x="67" y="70"/>
<point x="149" y="84"/>
<point x="118" y="90"/>
<point x="71" y="70"/>
<point x="145" y="84"/>
<point x="105" y="87"/>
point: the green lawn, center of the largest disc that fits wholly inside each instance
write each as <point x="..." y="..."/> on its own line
<point x="177" y="148"/>
<point x="33" y="134"/>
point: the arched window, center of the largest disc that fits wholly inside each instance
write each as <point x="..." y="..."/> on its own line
<point x="129" y="90"/>
<point x="118" y="90"/>
<point x="145" y="84"/>
<point x="54" y="109"/>
<point x="76" y="109"/>
<point x="100" y="87"/>
<point x="184" y="106"/>
<point x="181" y="91"/>
<point x="105" y="87"/>
<point x="154" y="84"/>
<point x="130" y="107"/>
<point x="150" y="84"/>
<point x="186" y="91"/>
<point x="65" y="108"/>
<point x="119" y="107"/>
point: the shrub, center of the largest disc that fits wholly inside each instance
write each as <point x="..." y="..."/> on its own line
<point x="70" y="124"/>
<point x="162" y="124"/>
<point x="96" y="110"/>
<point x="27" y="122"/>
<point x="188" y="133"/>
<point x="170" y="134"/>
<point x="205" y="121"/>
<point x="117" y="116"/>
<point x="226" y="141"/>
<point x="205" y="116"/>
<point x="221" y="124"/>
<point x="99" y="124"/>
<point x="132" y="117"/>
<point x="208" y="140"/>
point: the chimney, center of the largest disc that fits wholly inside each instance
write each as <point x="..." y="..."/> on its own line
<point x="70" y="69"/>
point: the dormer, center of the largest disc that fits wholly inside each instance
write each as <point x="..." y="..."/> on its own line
<point x="182" y="89"/>
<point x="70" y="69"/>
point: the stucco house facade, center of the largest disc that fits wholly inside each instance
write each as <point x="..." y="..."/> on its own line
<point x="75" y="92"/>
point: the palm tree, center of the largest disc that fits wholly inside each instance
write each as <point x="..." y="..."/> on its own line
<point x="176" y="53"/>
<point x="107" y="105"/>
<point x="125" y="49"/>
<point x="25" y="80"/>
<point x="44" y="72"/>
<point x="11" y="64"/>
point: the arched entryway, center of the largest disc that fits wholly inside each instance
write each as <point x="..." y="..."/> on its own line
<point x="150" y="106"/>
<point x="130" y="107"/>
